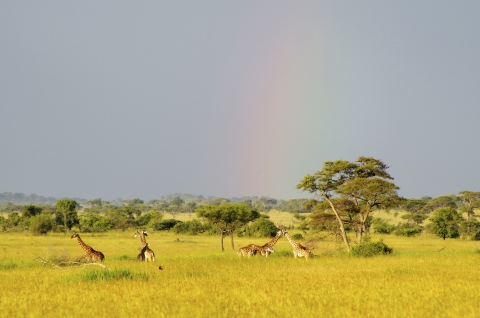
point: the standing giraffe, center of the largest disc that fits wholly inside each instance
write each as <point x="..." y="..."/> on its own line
<point x="147" y="254"/>
<point x="298" y="249"/>
<point x="91" y="254"/>
<point x="141" y="256"/>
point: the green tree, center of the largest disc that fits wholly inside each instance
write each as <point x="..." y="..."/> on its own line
<point x="121" y="218"/>
<point x="413" y="205"/>
<point x="261" y="227"/>
<point x="264" y="204"/>
<point x="155" y="220"/>
<point x="66" y="211"/>
<point x="31" y="210"/>
<point x="415" y="217"/>
<point x="227" y="217"/>
<point x="445" y="223"/>
<point x="444" y="201"/>
<point x="352" y="190"/>
<point x="93" y="222"/>
<point x="177" y="201"/>
<point x="471" y="201"/>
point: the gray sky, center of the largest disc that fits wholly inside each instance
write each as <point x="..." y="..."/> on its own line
<point x="108" y="99"/>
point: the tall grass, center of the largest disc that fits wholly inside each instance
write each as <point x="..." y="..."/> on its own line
<point x="423" y="277"/>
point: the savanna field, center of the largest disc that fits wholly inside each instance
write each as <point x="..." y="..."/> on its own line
<point x="424" y="277"/>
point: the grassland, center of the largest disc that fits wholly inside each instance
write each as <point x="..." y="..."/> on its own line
<point x="424" y="277"/>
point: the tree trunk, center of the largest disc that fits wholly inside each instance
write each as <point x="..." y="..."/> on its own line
<point x="221" y="241"/>
<point x="340" y="222"/>
<point x="231" y="241"/>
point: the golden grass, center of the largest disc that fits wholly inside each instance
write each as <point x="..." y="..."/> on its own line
<point x="424" y="277"/>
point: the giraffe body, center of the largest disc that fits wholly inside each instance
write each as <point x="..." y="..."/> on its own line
<point x="91" y="254"/>
<point x="298" y="249"/>
<point x="253" y="249"/>
<point x="146" y="254"/>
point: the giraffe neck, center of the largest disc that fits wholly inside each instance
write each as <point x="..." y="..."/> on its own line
<point x="143" y="241"/>
<point x="292" y="242"/>
<point x="85" y="247"/>
<point x="274" y="240"/>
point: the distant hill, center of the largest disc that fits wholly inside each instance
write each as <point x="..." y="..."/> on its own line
<point x="22" y="199"/>
<point x="192" y="197"/>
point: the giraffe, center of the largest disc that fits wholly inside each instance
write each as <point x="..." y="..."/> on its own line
<point x="271" y="244"/>
<point x="253" y="249"/>
<point x="91" y="254"/>
<point x="141" y="256"/>
<point x="298" y="249"/>
<point x="147" y="254"/>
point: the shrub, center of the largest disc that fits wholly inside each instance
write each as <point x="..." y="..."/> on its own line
<point x="476" y="236"/>
<point x="41" y="224"/>
<point x="192" y="227"/>
<point x="92" y="222"/>
<point x="297" y="236"/>
<point x="261" y="227"/>
<point x="164" y="224"/>
<point x="368" y="249"/>
<point x="408" y="229"/>
<point x="382" y="226"/>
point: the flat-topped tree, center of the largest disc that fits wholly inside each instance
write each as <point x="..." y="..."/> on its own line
<point x="365" y="183"/>
<point x="227" y="217"/>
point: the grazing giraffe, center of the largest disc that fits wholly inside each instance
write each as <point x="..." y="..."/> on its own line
<point x="253" y="249"/>
<point x="91" y="253"/>
<point x="147" y="254"/>
<point x="298" y="249"/>
<point x="271" y="244"/>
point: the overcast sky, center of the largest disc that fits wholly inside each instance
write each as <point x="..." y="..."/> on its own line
<point x="142" y="99"/>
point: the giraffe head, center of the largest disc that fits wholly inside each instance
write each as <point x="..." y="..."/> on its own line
<point x="284" y="231"/>
<point x="137" y="234"/>
<point x="75" y="235"/>
<point x="144" y="232"/>
<point x="269" y="249"/>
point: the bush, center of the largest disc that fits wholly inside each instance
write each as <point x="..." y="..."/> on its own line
<point x="381" y="226"/>
<point x="261" y="227"/>
<point x="164" y="224"/>
<point x="192" y="227"/>
<point x="368" y="249"/>
<point x="41" y="224"/>
<point x="476" y="236"/>
<point x="92" y="222"/>
<point x="297" y="236"/>
<point x="408" y="230"/>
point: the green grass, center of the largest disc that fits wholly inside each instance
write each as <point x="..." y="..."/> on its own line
<point x="423" y="277"/>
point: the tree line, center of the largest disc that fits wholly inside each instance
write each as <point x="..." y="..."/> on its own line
<point x="345" y="197"/>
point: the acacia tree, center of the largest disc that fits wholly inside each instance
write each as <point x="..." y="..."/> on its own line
<point x="444" y="201"/>
<point x="227" y="217"/>
<point x="471" y="201"/>
<point x="364" y="183"/>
